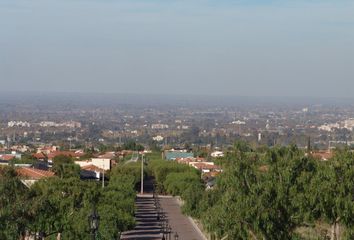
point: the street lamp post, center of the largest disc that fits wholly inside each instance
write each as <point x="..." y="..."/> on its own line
<point x="103" y="173"/>
<point x="94" y="220"/>
<point x="163" y="229"/>
<point x="169" y="230"/>
<point x="142" y="175"/>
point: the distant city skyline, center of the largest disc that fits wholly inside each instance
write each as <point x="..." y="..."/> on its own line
<point x="228" y="48"/>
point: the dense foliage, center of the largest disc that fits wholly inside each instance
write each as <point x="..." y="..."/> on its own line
<point x="61" y="206"/>
<point x="171" y="177"/>
<point x="270" y="196"/>
<point x="65" y="167"/>
<point x="132" y="145"/>
<point x="268" y="193"/>
<point x="178" y="180"/>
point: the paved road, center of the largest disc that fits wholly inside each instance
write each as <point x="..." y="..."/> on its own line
<point x="179" y="222"/>
<point x="149" y="228"/>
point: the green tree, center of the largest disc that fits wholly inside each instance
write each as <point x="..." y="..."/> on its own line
<point x="132" y="145"/>
<point x="261" y="203"/>
<point x="177" y="182"/>
<point x="65" y="167"/>
<point x="14" y="208"/>
<point x="332" y="193"/>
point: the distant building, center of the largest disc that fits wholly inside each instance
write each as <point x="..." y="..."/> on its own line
<point x="159" y="126"/>
<point x="69" y="124"/>
<point x="102" y="163"/>
<point x="349" y="124"/>
<point x="30" y="175"/>
<point x="216" y="154"/>
<point x="322" y="155"/>
<point x="10" y="156"/>
<point x="205" y="167"/>
<point x="158" y="138"/>
<point x="238" y="122"/>
<point x="18" y="124"/>
<point x="174" y="154"/>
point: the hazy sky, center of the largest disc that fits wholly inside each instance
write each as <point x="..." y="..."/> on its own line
<point x="245" y="47"/>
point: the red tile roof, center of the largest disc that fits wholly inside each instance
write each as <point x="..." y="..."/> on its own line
<point x="7" y="157"/>
<point x="39" y="155"/>
<point x="65" y="153"/>
<point x="92" y="167"/>
<point x="322" y="155"/>
<point x="109" y="155"/>
<point x="33" y="173"/>
<point x="201" y="165"/>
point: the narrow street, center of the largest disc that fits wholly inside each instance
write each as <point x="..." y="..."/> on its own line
<point x="179" y="223"/>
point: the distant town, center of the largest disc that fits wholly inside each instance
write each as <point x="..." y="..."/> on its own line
<point x="78" y="124"/>
<point x="175" y="170"/>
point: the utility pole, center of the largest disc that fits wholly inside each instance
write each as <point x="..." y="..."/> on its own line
<point x="142" y="175"/>
<point x="103" y="173"/>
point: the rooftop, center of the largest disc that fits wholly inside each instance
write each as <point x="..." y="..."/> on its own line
<point x="33" y="173"/>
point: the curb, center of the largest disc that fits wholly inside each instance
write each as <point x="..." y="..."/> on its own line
<point x="191" y="220"/>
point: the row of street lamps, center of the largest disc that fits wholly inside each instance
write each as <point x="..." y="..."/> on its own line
<point x="161" y="216"/>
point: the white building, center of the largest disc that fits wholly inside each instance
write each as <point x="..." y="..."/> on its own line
<point x="158" y="138"/>
<point x="159" y="126"/>
<point x="216" y="154"/>
<point x="18" y="124"/>
<point x="102" y="163"/>
<point x="329" y="127"/>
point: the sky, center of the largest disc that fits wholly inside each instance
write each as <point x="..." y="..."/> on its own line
<point x="251" y="48"/>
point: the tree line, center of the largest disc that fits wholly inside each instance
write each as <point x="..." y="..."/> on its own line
<point x="59" y="206"/>
<point x="269" y="193"/>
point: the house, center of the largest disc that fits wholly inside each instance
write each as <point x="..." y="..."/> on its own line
<point x="174" y="154"/>
<point x="72" y="154"/>
<point x="91" y="172"/>
<point x="7" y="157"/>
<point x="47" y="149"/>
<point x="102" y="163"/>
<point x="10" y="156"/>
<point x="39" y="156"/>
<point x="322" y="155"/>
<point x="217" y="154"/>
<point x="30" y="175"/>
<point x="109" y="155"/>
<point x="205" y="167"/>
<point x="185" y="160"/>
<point x="33" y="173"/>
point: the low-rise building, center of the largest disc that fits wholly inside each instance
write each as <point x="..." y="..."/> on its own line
<point x="174" y="154"/>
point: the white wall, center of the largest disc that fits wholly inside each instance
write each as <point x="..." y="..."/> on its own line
<point x="104" y="163"/>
